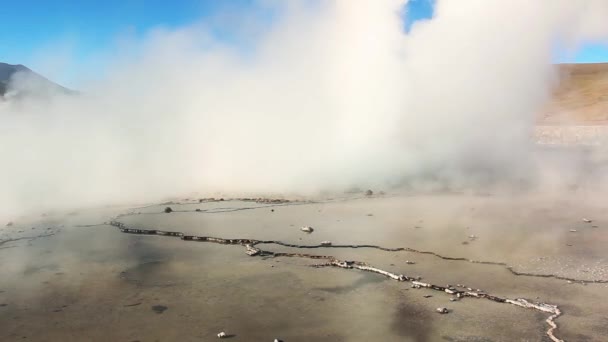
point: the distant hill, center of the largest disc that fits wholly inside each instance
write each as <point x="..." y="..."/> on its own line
<point x="581" y="97"/>
<point x="23" y="82"/>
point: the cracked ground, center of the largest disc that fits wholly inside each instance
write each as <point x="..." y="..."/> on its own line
<point x="72" y="277"/>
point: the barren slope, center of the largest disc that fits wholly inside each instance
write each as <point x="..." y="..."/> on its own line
<point x="581" y="97"/>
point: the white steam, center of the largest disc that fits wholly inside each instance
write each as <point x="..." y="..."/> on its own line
<point x="332" y="94"/>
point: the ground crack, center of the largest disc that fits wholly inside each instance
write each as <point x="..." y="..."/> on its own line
<point x="330" y="261"/>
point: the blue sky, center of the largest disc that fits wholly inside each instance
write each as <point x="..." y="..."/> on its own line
<point x="81" y="28"/>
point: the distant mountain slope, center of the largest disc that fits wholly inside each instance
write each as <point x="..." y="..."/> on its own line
<point x="24" y="82"/>
<point x="582" y="96"/>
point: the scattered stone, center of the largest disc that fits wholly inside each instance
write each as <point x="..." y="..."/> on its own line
<point x="368" y="192"/>
<point x="222" y="335"/>
<point x="307" y="229"/>
<point x="587" y="220"/>
<point x="198" y="210"/>
<point x="168" y="210"/>
<point x="409" y="262"/>
<point x="442" y="310"/>
<point x="326" y="243"/>
<point x="252" y="251"/>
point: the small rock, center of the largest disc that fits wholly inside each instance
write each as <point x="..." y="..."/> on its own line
<point x="325" y="243"/>
<point x="252" y="251"/>
<point x="442" y="310"/>
<point x="198" y="210"/>
<point x="453" y="299"/>
<point x="573" y="230"/>
<point x="277" y="340"/>
<point x="168" y="210"/>
<point x="409" y="262"/>
<point x="427" y="296"/>
<point x="222" y="335"/>
<point x="415" y="286"/>
<point x="587" y="220"/>
<point x="368" y="192"/>
<point x="272" y="210"/>
<point x="307" y="229"/>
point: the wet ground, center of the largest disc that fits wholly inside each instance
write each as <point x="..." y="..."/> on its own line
<point x="64" y="278"/>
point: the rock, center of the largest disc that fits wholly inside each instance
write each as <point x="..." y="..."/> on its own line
<point x="197" y="210"/>
<point x="442" y="310"/>
<point x="307" y="229"/>
<point x="573" y="230"/>
<point x="277" y="340"/>
<point x="427" y="296"/>
<point x="325" y="243"/>
<point x="222" y="335"/>
<point x="252" y="251"/>
<point x="409" y="262"/>
<point x="168" y="210"/>
<point x="368" y="192"/>
<point x="453" y="299"/>
<point x="587" y="220"/>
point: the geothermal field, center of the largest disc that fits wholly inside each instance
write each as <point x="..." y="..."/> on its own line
<point x="313" y="171"/>
<point x="506" y="268"/>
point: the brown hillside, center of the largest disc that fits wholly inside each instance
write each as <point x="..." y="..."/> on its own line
<point x="581" y="97"/>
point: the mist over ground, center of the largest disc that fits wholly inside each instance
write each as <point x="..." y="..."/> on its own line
<point x="326" y="96"/>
